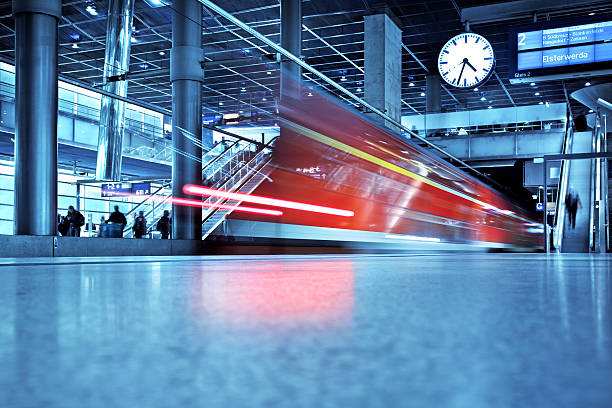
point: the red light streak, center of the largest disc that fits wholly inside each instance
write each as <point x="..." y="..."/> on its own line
<point x="199" y="203"/>
<point x="274" y="202"/>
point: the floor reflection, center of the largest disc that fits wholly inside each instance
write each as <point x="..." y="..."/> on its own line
<point x="276" y="294"/>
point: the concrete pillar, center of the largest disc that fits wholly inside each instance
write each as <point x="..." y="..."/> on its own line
<point x="291" y="40"/>
<point x="36" y="41"/>
<point x="383" y="65"/>
<point x="186" y="75"/>
<point x="432" y="93"/>
<point x="112" y="112"/>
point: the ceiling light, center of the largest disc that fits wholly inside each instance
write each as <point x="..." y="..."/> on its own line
<point x="134" y="39"/>
<point x="489" y="107"/>
<point x="220" y="103"/>
<point x="358" y="89"/>
<point x="269" y="72"/>
<point x="591" y="14"/>
<point x="91" y="10"/>
<point x="532" y="84"/>
<point x="243" y="90"/>
<point x="537" y="94"/>
<point x="483" y="99"/>
<point x="475" y="89"/>
<point x="343" y="78"/>
<point x="540" y="103"/>
<point x="411" y="84"/>
<point x="75" y="45"/>
<point x="547" y="104"/>
<point x="162" y="53"/>
<point x="240" y="111"/>
<point x="422" y="93"/>
<point x="309" y="94"/>
<point x="264" y="99"/>
<point x="587" y="84"/>
<point x="590" y="110"/>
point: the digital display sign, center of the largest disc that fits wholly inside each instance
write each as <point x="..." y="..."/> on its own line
<point x="558" y="48"/>
<point x="125" y="189"/>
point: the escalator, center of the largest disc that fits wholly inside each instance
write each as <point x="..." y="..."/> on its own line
<point x="578" y="183"/>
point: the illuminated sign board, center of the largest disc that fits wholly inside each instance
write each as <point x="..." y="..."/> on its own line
<point x="116" y="189"/>
<point x="125" y="189"/>
<point x="556" y="50"/>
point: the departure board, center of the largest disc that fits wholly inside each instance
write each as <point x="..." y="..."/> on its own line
<point x="577" y="47"/>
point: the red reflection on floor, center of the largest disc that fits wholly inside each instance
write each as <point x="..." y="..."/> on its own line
<point x="298" y="294"/>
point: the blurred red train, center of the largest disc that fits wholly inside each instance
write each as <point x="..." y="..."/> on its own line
<point x="402" y="196"/>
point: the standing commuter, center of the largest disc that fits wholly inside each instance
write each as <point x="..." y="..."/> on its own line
<point x="140" y="225"/>
<point x="75" y="221"/>
<point x="117" y="217"/>
<point x="164" y="225"/>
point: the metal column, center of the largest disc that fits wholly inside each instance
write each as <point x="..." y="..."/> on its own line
<point x="291" y="40"/>
<point x="112" y="112"/>
<point x="186" y="75"/>
<point x="36" y="41"/>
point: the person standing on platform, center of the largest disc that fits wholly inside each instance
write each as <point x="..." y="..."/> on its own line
<point x="75" y="222"/>
<point x="140" y="225"/>
<point x="117" y="217"/>
<point x="164" y="225"/>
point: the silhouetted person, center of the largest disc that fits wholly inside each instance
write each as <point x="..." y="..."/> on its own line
<point x="117" y="217"/>
<point x="572" y="203"/>
<point x="140" y="225"/>
<point x="164" y="225"/>
<point x="102" y="229"/>
<point x="75" y="221"/>
<point x="62" y="225"/>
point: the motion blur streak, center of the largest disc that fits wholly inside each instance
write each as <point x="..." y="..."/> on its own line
<point x="199" y="203"/>
<point x="376" y="160"/>
<point x="274" y="202"/>
<point x="252" y="210"/>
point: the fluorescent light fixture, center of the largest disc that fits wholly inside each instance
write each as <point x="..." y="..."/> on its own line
<point x="590" y="110"/>
<point x="220" y="103"/>
<point x="532" y="84"/>
<point x="411" y="84"/>
<point x="537" y="94"/>
<point x="162" y="53"/>
<point x="358" y="89"/>
<point x="343" y="78"/>
<point x="264" y="99"/>
<point x="540" y="103"/>
<point x="475" y="89"/>
<point x="230" y="116"/>
<point x="422" y="94"/>
<point x="489" y="107"/>
<point x="269" y="72"/>
<point x="243" y="90"/>
<point x="587" y="84"/>
<point x="483" y="99"/>
<point x="158" y="3"/>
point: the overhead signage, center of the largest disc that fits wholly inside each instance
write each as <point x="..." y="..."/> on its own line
<point x="141" y="188"/>
<point x="116" y="189"/>
<point x="125" y="189"/>
<point x="556" y="50"/>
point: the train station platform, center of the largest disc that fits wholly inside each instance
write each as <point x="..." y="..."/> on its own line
<point x="460" y="330"/>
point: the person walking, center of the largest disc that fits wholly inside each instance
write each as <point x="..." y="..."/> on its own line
<point x="164" y="225"/>
<point x="75" y="221"/>
<point x="140" y="225"/>
<point x="117" y="217"/>
<point x="574" y="205"/>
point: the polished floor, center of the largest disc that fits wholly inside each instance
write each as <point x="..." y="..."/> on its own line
<point x="479" y="330"/>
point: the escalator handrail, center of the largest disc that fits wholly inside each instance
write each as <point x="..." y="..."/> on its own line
<point x="562" y="190"/>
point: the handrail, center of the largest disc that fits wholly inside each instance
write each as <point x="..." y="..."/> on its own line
<point x="211" y="210"/>
<point x="221" y="143"/>
<point x="147" y="199"/>
<point x="218" y="157"/>
<point x="562" y="190"/>
<point x="225" y="154"/>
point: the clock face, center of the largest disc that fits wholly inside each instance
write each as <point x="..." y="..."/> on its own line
<point x="466" y="60"/>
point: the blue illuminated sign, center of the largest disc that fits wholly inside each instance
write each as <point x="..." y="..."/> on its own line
<point x="141" y="188"/>
<point x="539" y="206"/>
<point x="581" y="44"/>
<point x="116" y="189"/>
<point x="561" y="47"/>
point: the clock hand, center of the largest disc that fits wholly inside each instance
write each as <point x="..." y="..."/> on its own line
<point x="470" y="65"/>
<point x="461" y="73"/>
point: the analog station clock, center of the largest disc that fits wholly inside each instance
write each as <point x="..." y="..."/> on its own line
<point x="466" y="60"/>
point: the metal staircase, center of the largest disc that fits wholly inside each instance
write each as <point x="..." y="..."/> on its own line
<point x="246" y="173"/>
<point x="155" y="205"/>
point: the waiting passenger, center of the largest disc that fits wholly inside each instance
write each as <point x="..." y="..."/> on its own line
<point x="164" y="225"/>
<point x="117" y="217"/>
<point x="75" y="221"/>
<point x="102" y="228"/>
<point x="140" y="225"/>
<point x="62" y="225"/>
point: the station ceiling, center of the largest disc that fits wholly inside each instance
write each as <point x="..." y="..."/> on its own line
<point x="237" y="79"/>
